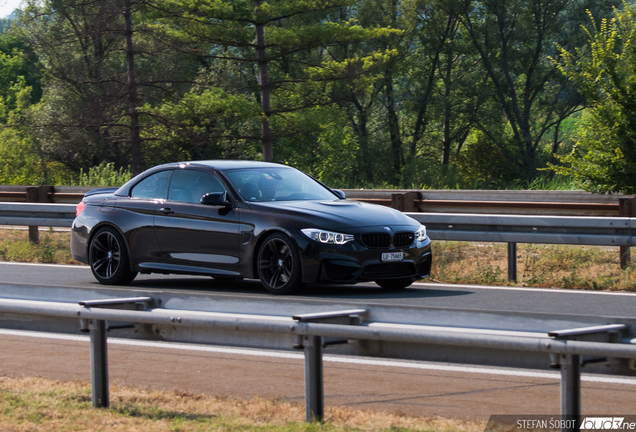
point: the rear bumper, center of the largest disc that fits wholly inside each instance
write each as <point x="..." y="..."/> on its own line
<point x="79" y="242"/>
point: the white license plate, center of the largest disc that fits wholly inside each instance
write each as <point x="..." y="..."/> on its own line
<point x="393" y="256"/>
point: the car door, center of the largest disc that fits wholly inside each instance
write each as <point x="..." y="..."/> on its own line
<point x="135" y="217"/>
<point x="193" y="235"/>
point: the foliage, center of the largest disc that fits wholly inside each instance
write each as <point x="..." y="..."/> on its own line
<point x="102" y="62"/>
<point x="104" y="174"/>
<point x="514" y="40"/>
<point x="401" y="93"/>
<point x="269" y="70"/>
<point x="5" y="24"/>
<point x="206" y="123"/>
<point x="20" y="159"/>
<point x="486" y="165"/>
<point x="325" y="147"/>
<point x="604" y="157"/>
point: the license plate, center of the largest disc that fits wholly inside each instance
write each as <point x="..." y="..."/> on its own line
<point x="393" y="256"/>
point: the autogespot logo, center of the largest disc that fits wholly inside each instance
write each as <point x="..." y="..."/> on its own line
<point x="607" y="423"/>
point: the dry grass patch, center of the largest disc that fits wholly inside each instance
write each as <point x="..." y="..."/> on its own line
<point x="34" y="404"/>
<point x="551" y="266"/>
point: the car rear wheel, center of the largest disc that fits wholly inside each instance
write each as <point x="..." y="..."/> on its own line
<point x="279" y="265"/>
<point x="108" y="258"/>
<point x="394" y="284"/>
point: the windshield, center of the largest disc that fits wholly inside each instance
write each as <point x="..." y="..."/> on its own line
<point x="277" y="184"/>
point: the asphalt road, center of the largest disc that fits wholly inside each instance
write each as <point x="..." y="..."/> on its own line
<point x="426" y="389"/>
<point x="547" y="301"/>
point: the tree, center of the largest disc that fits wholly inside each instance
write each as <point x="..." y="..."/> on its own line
<point x="20" y="162"/>
<point x="281" y="48"/>
<point x="447" y="78"/>
<point x="102" y="63"/>
<point x="604" y="157"/>
<point x="514" y="40"/>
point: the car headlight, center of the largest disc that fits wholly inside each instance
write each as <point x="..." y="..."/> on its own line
<point x="420" y="234"/>
<point x="328" y="237"/>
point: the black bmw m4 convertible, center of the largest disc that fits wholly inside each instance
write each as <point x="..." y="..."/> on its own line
<point x="243" y="219"/>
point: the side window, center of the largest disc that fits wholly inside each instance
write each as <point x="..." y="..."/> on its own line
<point x="190" y="185"/>
<point x="153" y="187"/>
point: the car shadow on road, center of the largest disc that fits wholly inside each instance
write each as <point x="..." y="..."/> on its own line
<point x="372" y="291"/>
<point x="254" y="287"/>
<point x="203" y="284"/>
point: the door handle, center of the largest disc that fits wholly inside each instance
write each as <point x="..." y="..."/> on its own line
<point x="166" y="210"/>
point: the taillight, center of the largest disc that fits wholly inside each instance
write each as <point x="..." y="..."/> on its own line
<point x="80" y="208"/>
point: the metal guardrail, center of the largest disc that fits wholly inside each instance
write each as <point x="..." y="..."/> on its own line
<point x="554" y="203"/>
<point x="35" y="214"/>
<point x="599" y="231"/>
<point x="313" y="332"/>
<point x="50" y="194"/>
<point x="563" y="203"/>
<point x="513" y="229"/>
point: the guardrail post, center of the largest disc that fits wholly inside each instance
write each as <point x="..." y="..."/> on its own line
<point x="625" y="256"/>
<point x="570" y="365"/>
<point x="32" y="196"/>
<point x="99" y="363"/>
<point x="405" y="202"/>
<point x="99" y="348"/>
<point x="571" y="390"/>
<point x="512" y="262"/>
<point x="313" y="347"/>
<point x="37" y="194"/>
<point x="314" y="391"/>
<point x="626" y="208"/>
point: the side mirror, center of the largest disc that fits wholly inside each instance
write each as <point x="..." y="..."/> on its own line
<point x="340" y="193"/>
<point x="216" y="199"/>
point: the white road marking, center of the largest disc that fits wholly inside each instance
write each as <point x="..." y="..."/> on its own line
<point x="510" y="288"/>
<point x="74" y="266"/>
<point x="327" y="358"/>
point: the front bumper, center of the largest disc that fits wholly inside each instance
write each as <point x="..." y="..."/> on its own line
<point x="352" y="262"/>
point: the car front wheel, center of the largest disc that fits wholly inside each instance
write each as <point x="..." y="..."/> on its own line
<point x="279" y="264"/>
<point x="108" y="258"/>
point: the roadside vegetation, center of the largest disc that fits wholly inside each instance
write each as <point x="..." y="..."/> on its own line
<point x="40" y="404"/>
<point x="549" y="266"/>
<point x="52" y="248"/>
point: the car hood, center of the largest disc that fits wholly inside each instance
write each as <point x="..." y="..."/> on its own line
<point x="337" y="214"/>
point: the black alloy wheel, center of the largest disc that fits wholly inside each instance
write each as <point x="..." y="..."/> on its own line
<point x="108" y="258"/>
<point x="279" y="265"/>
<point x="394" y="284"/>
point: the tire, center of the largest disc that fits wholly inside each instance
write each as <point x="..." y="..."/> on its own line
<point x="278" y="265"/>
<point x="108" y="258"/>
<point x="394" y="284"/>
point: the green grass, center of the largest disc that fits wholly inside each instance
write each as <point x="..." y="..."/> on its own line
<point x="54" y="247"/>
